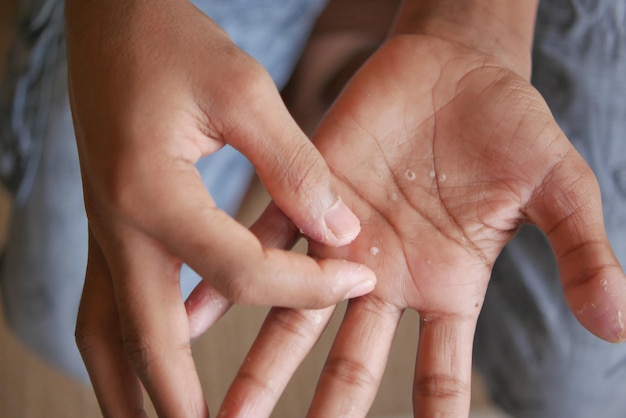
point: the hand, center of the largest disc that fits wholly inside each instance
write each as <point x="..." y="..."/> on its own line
<point x="154" y="86"/>
<point x="443" y="152"/>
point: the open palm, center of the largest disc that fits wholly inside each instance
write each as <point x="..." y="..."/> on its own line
<point x="443" y="154"/>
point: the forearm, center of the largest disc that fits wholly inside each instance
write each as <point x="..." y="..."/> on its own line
<point x="500" y="28"/>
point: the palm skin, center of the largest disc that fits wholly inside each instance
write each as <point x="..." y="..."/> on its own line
<point x="442" y="152"/>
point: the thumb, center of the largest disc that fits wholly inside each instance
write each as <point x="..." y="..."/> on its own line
<point x="291" y="168"/>
<point x="568" y="208"/>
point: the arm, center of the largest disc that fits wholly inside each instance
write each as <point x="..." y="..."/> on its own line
<point x="450" y="151"/>
<point x="154" y="86"/>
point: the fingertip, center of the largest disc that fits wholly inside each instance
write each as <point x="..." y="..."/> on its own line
<point x="204" y="307"/>
<point x="365" y="285"/>
<point x="607" y="324"/>
<point x="601" y="307"/>
<point x="308" y="283"/>
<point x="358" y="279"/>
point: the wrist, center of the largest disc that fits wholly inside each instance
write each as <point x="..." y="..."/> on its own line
<point x="500" y="29"/>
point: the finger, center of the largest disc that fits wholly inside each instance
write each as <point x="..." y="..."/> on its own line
<point x="204" y="307"/>
<point x="233" y="260"/>
<point x="274" y="229"/>
<point x="154" y="323"/>
<point x="357" y="360"/>
<point x="442" y="384"/>
<point x="292" y="170"/>
<point x="99" y="340"/>
<point x="568" y="208"/>
<point x="285" y="339"/>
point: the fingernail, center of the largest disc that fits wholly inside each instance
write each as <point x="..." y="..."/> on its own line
<point x="342" y="223"/>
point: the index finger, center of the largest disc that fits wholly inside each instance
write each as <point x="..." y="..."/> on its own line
<point x="231" y="258"/>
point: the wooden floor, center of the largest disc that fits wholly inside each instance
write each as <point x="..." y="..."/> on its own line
<point x="31" y="389"/>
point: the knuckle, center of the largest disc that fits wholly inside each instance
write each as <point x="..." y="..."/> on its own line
<point x="86" y="343"/>
<point x="248" y="379"/>
<point x="351" y="372"/>
<point x="125" y="189"/>
<point x="294" y="322"/>
<point x="441" y="386"/>
<point x="140" y="354"/>
<point x="238" y="290"/>
<point x="254" y="82"/>
<point x="304" y="169"/>
<point x="146" y="354"/>
<point x="88" y="339"/>
<point x="375" y="305"/>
